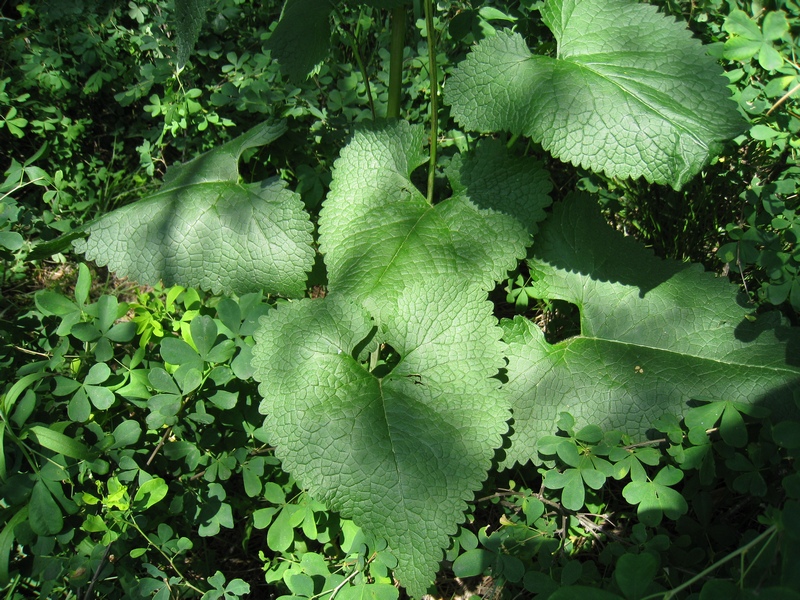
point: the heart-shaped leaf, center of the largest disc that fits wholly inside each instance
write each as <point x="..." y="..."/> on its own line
<point x="378" y="232"/>
<point x="397" y="452"/>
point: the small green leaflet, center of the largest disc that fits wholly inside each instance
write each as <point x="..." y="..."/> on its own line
<point x="655" y="334"/>
<point x="630" y="92"/>
<point x="377" y="231"/>
<point x="59" y="443"/>
<point x="205" y="229"/>
<point x="398" y="454"/>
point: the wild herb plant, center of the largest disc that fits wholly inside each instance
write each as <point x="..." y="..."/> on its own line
<point x="389" y="399"/>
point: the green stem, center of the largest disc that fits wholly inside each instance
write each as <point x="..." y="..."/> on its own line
<point x="513" y="139"/>
<point x="186" y="582"/>
<point x="434" y="75"/>
<point x="773" y="530"/>
<point x="396" y="61"/>
<point x="353" y="39"/>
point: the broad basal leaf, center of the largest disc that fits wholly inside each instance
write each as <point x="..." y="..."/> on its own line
<point x="629" y="93"/>
<point x="399" y="453"/>
<point x="205" y="229"/>
<point x="378" y="232"/>
<point x="655" y="335"/>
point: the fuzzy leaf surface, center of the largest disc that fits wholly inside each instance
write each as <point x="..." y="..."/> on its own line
<point x="378" y="231"/>
<point x="190" y="15"/>
<point x="205" y="229"/>
<point x="398" y="454"/>
<point x="630" y="92"/>
<point x="655" y="334"/>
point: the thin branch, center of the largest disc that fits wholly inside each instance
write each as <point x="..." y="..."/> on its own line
<point x="96" y="575"/>
<point x="783" y="98"/>
<point x="160" y="445"/>
<point x="354" y="46"/>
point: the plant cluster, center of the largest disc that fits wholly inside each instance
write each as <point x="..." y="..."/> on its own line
<point x="316" y="389"/>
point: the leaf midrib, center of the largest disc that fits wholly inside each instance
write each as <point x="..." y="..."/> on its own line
<point x="401" y="246"/>
<point x="749" y="366"/>
<point x="578" y="62"/>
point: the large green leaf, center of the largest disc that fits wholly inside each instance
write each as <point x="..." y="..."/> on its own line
<point x="302" y="37"/>
<point x="377" y="231"/>
<point x="189" y="18"/>
<point x="399" y="453"/>
<point x="630" y="92"/>
<point x="655" y="335"/>
<point x="205" y="229"/>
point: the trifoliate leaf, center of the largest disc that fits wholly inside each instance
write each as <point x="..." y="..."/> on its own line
<point x="378" y="232"/>
<point x="205" y="229"/>
<point x="655" y="334"/>
<point x="301" y="38"/>
<point x="629" y="92"/>
<point x="748" y="40"/>
<point x="398" y="453"/>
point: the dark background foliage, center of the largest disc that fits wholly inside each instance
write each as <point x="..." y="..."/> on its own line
<point x="121" y="500"/>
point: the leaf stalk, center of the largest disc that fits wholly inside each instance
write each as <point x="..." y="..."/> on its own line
<point x="398" y="19"/>
<point x="430" y="33"/>
<point x="768" y="534"/>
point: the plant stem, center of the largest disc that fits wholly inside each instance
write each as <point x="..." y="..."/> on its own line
<point x="396" y="61"/>
<point x="353" y="38"/>
<point x="434" y="76"/>
<point x="773" y="530"/>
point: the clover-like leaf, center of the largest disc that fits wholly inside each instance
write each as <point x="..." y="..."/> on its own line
<point x="748" y="39"/>
<point x="400" y="452"/>
<point x="655" y="335"/>
<point x="656" y="498"/>
<point x="629" y="92"/>
<point x="205" y="229"/>
<point x="377" y="231"/>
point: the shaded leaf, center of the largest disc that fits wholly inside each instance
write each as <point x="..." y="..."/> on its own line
<point x="44" y="514"/>
<point x="205" y="229"/>
<point x="126" y="433"/>
<point x="302" y="37"/>
<point x="189" y="18"/>
<point x="59" y="443"/>
<point x="473" y="562"/>
<point x="655" y="334"/>
<point x="149" y="493"/>
<point x="634" y="573"/>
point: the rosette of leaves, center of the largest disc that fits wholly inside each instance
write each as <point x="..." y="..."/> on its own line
<point x="205" y="228"/>
<point x="629" y="92"/>
<point x="655" y="335"/>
